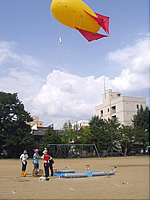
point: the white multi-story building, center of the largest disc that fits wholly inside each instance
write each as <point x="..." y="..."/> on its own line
<point x="81" y="123"/>
<point x="114" y="105"/>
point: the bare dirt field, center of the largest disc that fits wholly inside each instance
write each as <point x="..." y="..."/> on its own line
<point x="131" y="180"/>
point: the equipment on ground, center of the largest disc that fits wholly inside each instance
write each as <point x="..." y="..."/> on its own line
<point x="84" y="174"/>
<point x="65" y="171"/>
<point x="37" y="172"/>
<point x="23" y="174"/>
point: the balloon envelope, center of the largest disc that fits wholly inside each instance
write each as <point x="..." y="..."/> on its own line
<point x="77" y="15"/>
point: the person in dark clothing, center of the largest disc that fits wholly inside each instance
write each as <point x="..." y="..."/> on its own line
<point x="51" y="163"/>
<point x="51" y="166"/>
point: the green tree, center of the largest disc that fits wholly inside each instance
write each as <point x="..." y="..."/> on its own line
<point x="86" y="136"/>
<point x="97" y="127"/>
<point x="51" y="137"/>
<point x="141" y="127"/>
<point x="69" y="133"/>
<point x="141" y="138"/>
<point x="141" y="119"/>
<point x="104" y="133"/>
<point x="126" y="138"/>
<point x="112" y="132"/>
<point x="15" y="133"/>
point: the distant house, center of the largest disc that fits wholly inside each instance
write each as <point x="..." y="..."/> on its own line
<point x="39" y="132"/>
<point x="116" y="106"/>
<point x="81" y="124"/>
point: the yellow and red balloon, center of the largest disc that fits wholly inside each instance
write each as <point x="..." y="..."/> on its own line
<point x="77" y="15"/>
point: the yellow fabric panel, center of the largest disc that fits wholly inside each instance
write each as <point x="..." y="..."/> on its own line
<point x="72" y="13"/>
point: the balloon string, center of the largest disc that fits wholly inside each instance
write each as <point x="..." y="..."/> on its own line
<point x="60" y="29"/>
<point x="59" y="24"/>
<point x="72" y="36"/>
<point x="58" y="47"/>
<point x="80" y="21"/>
<point x="73" y="23"/>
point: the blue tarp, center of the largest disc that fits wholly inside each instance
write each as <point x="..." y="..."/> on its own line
<point x="89" y="174"/>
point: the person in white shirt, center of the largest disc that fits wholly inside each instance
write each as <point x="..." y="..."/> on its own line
<point x="23" y="159"/>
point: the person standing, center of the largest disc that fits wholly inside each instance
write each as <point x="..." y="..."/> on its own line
<point x="46" y="158"/>
<point x="35" y="157"/>
<point x="23" y="159"/>
<point x="51" y="162"/>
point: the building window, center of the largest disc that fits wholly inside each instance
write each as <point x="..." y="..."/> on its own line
<point x="113" y="108"/>
<point x="113" y="117"/>
<point x="137" y="106"/>
<point x="101" y="113"/>
<point x="108" y="110"/>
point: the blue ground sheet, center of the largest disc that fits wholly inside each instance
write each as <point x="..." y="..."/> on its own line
<point x="89" y="174"/>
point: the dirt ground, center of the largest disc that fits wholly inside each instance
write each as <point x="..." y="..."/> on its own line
<point x="131" y="180"/>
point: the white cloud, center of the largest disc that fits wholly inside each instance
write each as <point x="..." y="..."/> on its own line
<point x="21" y="78"/>
<point x="68" y="97"/>
<point x="23" y="83"/>
<point x="64" y="96"/>
<point x="125" y="56"/>
<point x="136" y="62"/>
<point x="7" y="54"/>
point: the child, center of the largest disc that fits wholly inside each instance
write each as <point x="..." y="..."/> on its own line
<point x="23" y="159"/>
<point x="35" y="157"/>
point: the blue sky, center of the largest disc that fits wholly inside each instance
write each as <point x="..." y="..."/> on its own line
<point x="65" y="81"/>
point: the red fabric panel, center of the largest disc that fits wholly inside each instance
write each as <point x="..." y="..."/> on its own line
<point x="103" y="21"/>
<point x="91" y="36"/>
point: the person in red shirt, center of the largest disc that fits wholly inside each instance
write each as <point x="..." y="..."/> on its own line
<point x="46" y="158"/>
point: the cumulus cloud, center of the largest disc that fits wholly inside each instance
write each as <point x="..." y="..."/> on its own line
<point x="15" y="76"/>
<point x="7" y="54"/>
<point x="23" y="83"/>
<point x="64" y="96"/>
<point x="136" y="62"/>
<point x="68" y="97"/>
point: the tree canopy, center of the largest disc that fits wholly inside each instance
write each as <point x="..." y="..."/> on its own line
<point x="51" y="137"/>
<point x="15" y="133"/>
<point x="141" y="126"/>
